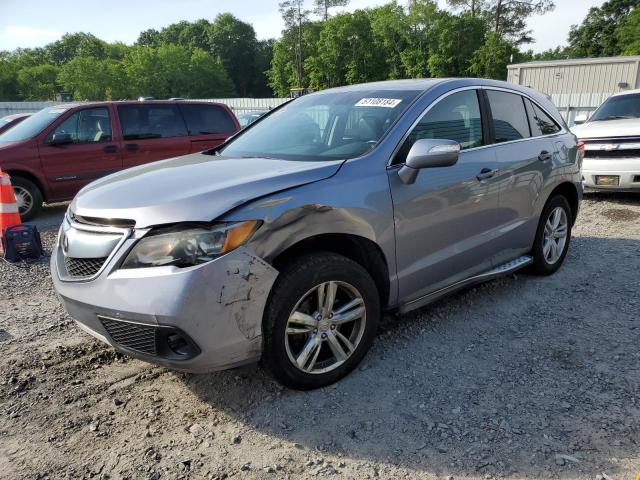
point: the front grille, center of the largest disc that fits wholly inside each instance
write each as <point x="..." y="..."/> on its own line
<point x="103" y="222"/>
<point x="83" y="267"/>
<point x="137" y="337"/>
<point x="632" y="153"/>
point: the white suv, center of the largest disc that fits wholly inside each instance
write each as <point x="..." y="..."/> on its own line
<point x="612" y="144"/>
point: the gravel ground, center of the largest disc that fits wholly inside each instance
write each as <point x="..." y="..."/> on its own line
<point x="522" y="377"/>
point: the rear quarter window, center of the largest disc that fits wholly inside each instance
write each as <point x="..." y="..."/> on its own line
<point x="541" y="123"/>
<point x="207" y="119"/>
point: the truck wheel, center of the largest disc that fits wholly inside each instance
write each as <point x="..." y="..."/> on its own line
<point x="551" y="244"/>
<point x="28" y="197"/>
<point x="320" y="320"/>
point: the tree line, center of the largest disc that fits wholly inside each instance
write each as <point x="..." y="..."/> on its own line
<point x="319" y="48"/>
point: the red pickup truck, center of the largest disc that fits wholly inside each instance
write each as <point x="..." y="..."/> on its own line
<point x="55" y="152"/>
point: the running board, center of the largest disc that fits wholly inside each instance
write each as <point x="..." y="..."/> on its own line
<point x="499" y="271"/>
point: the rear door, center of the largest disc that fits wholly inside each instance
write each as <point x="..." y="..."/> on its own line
<point x="150" y="132"/>
<point x="91" y="154"/>
<point x="447" y="220"/>
<point x="208" y="125"/>
<point x="525" y="161"/>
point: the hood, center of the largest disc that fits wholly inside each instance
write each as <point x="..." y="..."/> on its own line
<point x="627" y="127"/>
<point x="195" y="187"/>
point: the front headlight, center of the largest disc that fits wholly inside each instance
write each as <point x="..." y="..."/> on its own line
<point x="190" y="246"/>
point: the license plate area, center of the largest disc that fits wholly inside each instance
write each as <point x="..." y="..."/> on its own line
<point x="608" y="180"/>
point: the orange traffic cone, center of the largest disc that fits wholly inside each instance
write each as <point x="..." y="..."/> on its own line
<point x="9" y="215"/>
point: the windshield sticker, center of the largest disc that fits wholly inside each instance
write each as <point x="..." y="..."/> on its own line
<point x="379" y="102"/>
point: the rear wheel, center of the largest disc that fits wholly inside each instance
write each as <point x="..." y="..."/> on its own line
<point x="28" y="197"/>
<point x="321" y="320"/>
<point x="553" y="236"/>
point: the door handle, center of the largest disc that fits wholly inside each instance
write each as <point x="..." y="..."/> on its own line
<point x="131" y="146"/>
<point x="544" y="156"/>
<point x="110" y="149"/>
<point x="486" y="173"/>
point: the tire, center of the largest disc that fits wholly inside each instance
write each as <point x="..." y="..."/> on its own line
<point x="285" y="339"/>
<point x="545" y="262"/>
<point x="31" y="203"/>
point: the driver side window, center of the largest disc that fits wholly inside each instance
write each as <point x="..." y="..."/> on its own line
<point x="91" y="125"/>
<point x="455" y="117"/>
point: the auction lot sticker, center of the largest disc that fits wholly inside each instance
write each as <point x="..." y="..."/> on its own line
<point x="378" y="102"/>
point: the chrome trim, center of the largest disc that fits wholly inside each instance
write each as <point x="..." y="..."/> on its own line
<point x="562" y="131"/>
<point x="125" y="232"/>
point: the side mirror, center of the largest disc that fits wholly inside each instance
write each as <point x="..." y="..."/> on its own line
<point x="428" y="153"/>
<point x="60" y="139"/>
<point x="580" y="119"/>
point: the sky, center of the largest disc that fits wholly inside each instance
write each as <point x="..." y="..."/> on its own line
<point x="34" y="23"/>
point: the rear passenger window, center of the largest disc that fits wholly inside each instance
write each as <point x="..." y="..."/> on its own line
<point x="455" y="117"/>
<point x="541" y="123"/>
<point x="151" y="121"/>
<point x="509" y="116"/>
<point x="207" y="119"/>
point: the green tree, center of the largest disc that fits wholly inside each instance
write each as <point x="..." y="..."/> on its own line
<point x="90" y="78"/>
<point x="492" y="58"/>
<point x="295" y="17"/>
<point x="175" y="71"/>
<point x="207" y="77"/>
<point x="8" y="77"/>
<point x="509" y="17"/>
<point x="74" y="45"/>
<point x="264" y="56"/>
<point x="424" y="28"/>
<point x="628" y="34"/>
<point x="234" y="42"/>
<point x="390" y="27"/>
<point x="597" y="35"/>
<point x="457" y="39"/>
<point x="473" y="7"/>
<point x="149" y="38"/>
<point x="321" y="7"/>
<point x="38" y="83"/>
<point x="344" y="54"/>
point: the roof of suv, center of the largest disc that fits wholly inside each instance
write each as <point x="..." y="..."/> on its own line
<point x="135" y="102"/>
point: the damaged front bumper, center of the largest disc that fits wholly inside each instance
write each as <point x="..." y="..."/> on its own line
<point x="202" y="318"/>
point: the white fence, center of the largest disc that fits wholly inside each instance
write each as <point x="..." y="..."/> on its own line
<point x="238" y="105"/>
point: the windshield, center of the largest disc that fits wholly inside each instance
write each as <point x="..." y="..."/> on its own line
<point x="614" y="108"/>
<point x="32" y="126"/>
<point x="3" y="122"/>
<point x="323" y="126"/>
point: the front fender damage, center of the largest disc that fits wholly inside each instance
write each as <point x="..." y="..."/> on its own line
<point x="245" y="291"/>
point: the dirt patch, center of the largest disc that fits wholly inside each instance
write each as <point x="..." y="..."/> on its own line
<point x="523" y="377"/>
<point x="621" y="214"/>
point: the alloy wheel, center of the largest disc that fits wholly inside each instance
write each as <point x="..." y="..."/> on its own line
<point x="555" y="235"/>
<point x="325" y="327"/>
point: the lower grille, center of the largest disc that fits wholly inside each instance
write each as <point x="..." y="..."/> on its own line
<point x="141" y="338"/>
<point x="83" y="267"/>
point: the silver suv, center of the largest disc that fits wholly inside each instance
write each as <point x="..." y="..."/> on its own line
<point x="289" y="241"/>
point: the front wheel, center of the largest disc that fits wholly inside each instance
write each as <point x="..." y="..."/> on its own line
<point x="553" y="236"/>
<point x="28" y="197"/>
<point x="320" y="321"/>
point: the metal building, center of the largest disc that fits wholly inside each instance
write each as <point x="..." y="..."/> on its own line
<point x="578" y="85"/>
